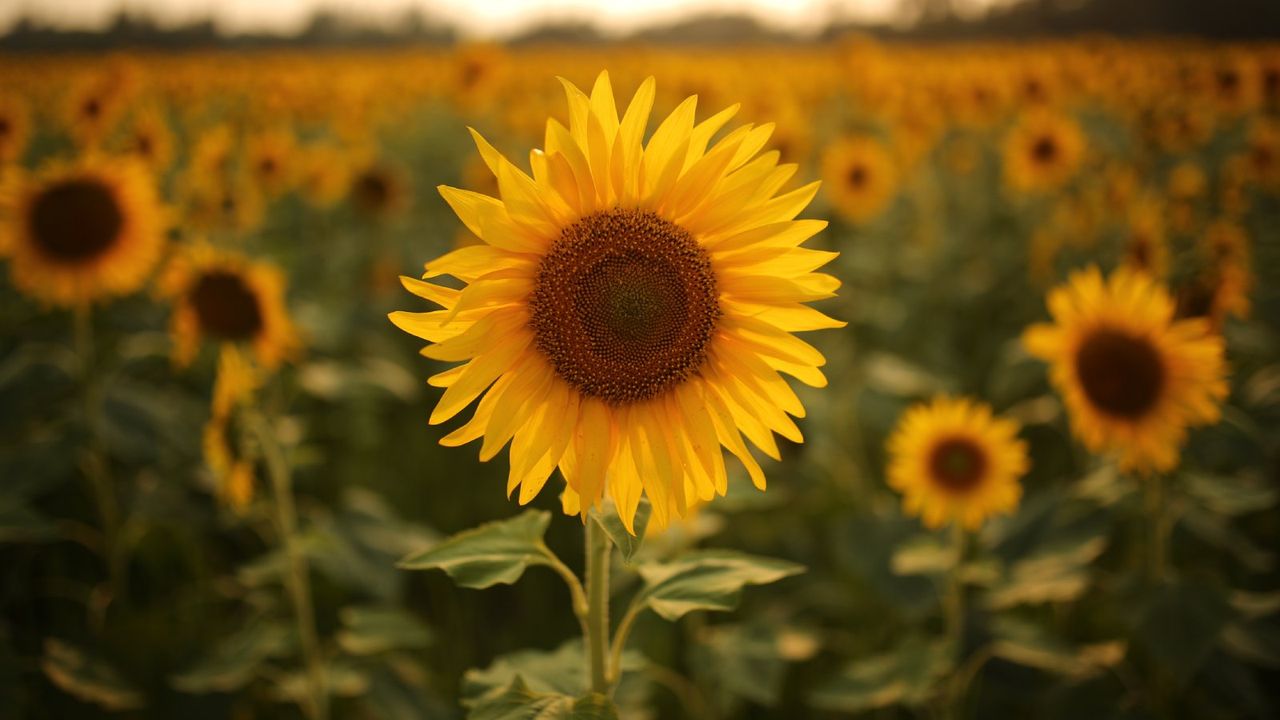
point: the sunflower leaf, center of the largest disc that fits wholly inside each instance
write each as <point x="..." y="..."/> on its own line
<point x="517" y="702"/>
<point x="88" y="678"/>
<point x="606" y="515"/>
<point x="494" y="553"/>
<point x="707" y="580"/>
<point x="235" y="660"/>
<point x="370" y="630"/>
<point x="906" y="675"/>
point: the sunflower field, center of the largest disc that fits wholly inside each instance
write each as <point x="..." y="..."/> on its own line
<point x="645" y="382"/>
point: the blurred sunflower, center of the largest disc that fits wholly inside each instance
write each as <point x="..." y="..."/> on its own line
<point x="271" y="160"/>
<point x="860" y="176"/>
<point x="221" y="203"/>
<point x="954" y="461"/>
<point x="1224" y="279"/>
<point x="232" y="469"/>
<point x="81" y="232"/>
<point x="324" y="174"/>
<point x="92" y="109"/>
<point x="1133" y="378"/>
<point x="1146" y="249"/>
<point x="1042" y="152"/>
<point x="379" y="191"/>
<point x="230" y="299"/>
<point x="631" y="308"/>
<point x="149" y="140"/>
<point x="15" y="128"/>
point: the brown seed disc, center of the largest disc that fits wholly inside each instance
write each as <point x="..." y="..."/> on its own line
<point x="1121" y="375"/>
<point x="957" y="464"/>
<point x="624" y="305"/>
<point x="225" y="306"/>
<point x="75" y="221"/>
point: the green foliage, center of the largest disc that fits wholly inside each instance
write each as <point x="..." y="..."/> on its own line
<point x="517" y="702"/>
<point x="707" y="580"/>
<point x="494" y="553"/>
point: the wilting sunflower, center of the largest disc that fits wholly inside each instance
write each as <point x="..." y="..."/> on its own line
<point x="1132" y="376"/>
<point x="1042" y="152"/>
<point x="230" y="299"/>
<point x="83" y="231"/>
<point x="954" y="461"/>
<point x="631" y="308"/>
<point x="15" y="128"/>
<point x="860" y="176"/>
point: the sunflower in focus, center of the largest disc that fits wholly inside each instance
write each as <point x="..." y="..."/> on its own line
<point x="631" y="307"/>
<point x="81" y="232"/>
<point x="230" y="299"/>
<point x="15" y="129"/>
<point x="860" y="176"/>
<point x="1133" y="377"/>
<point x="1042" y="152"/>
<point x="954" y="461"/>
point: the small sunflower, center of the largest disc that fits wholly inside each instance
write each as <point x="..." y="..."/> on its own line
<point x="150" y="140"/>
<point x="1132" y="376"/>
<point x="1042" y="152"/>
<point x="379" y="191"/>
<point x="324" y="174"/>
<point x="860" y="176"/>
<point x="81" y="232"/>
<point x="631" y="308"/>
<point x="92" y="108"/>
<point x="230" y="299"/>
<point x="271" y="160"/>
<point x="954" y="461"/>
<point x="1224" y="280"/>
<point x="1146" y="249"/>
<point x="15" y="129"/>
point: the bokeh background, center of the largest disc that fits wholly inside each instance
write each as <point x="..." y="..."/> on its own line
<point x="313" y="138"/>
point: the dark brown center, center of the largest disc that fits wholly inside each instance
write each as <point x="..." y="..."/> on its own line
<point x="225" y="306"/>
<point x="372" y="190"/>
<point x="1195" y="299"/>
<point x="624" y="305"/>
<point x="75" y="221"/>
<point x="4" y="127"/>
<point x="1140" y="251"/>
<point x="957" y="464"/>
<point x="857" y="176"/>
<point x="1122" y="375"/>
<point x="1045" y="149"/>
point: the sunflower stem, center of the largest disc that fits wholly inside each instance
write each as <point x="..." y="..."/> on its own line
<point x="597" y="636"/>
<point x="954" y="617"/>
<point x="298" y="580"/>
<point x="1158" y="528"/>
<point x="97" y="467"/>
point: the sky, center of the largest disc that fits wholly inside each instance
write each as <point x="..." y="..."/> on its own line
<point x="477" y="18"/>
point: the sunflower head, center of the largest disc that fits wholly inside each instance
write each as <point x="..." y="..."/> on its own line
<point x="861" y="177"/>
<point x="954" y="461"/>
<point x="1133" y="378"/>
<point x="379" y="191"/>
<point x="229" y="299"/>
<point x="1042" y="152"/>
<point x="149" y="140"/>
<point x="15" y="128"/>
<point x="81" y="232"/>
<point x="629" y="307"/>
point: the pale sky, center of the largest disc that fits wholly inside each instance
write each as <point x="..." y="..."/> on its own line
<point x="480" y="18"/>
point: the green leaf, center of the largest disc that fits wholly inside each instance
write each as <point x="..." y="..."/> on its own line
<point x="371" y="630"/>
<point x="562" y="671"/>
<point x="606" y="516"/>
<point x="923" y="555"/>
<point x="750" y="661"/>
<point x="518" y="702"/>
<point x="1057" y="572"/>
<point x="1031" y="644"/>
<point x="707" y="580"/>
<point x="87" y="678"/>
<point x="904" y="676"/>
<point x="235" y="660"/>
<point x="1231" y="496"/>
<point x="494" y="553"/>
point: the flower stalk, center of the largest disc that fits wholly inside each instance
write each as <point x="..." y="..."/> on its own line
<point x="599" y="550"/>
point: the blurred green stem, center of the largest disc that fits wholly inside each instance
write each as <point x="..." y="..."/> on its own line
<point x="96" y="466"/>
<point x="954" y="615"/>
<point x="620" y="637"/>
<point x="1158" y="528"/>
<point x="597" y="638"/>
<point x="299" y="578"/>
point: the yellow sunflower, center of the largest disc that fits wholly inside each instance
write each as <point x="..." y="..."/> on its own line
<point x="228" y="298"/>
<point x="954" y="461"/>
<point x="271" y="161"/>
<point x="15" y="129"/>
<point x="1224" y="280"/>
<point x="1042" y="152"/>
<point x="150" y="140"/>
<point x="82" y="231"/>
<point x="324" y="175"/>
<point x="860" y="176"/>
<point x="232" y="469"/>
<point x="631" y="307"/>
<point x="379" y="191"/>
<point x="1146" y="249"/>
<point x="1133" y="377"/>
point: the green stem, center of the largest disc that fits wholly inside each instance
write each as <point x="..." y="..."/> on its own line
<point x="597" y="637"/>
<point x="96" y="464"/>
<point x="576" y="592"/>
<point x="1158" y="528"/>
<point x="620" y="637"/>
<point x="954" y="615"/>
<point x="299" y="578"/>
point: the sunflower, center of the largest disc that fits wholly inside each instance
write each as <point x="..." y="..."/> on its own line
<point x="953" y="460"/>
<point x="379" y="191"/>
<point x="1042" y="152"/>
<point x="631" y="308"/>
<point x="324" y="174"/>
<point x="271" y="161"/>
<point x="150" y="140"/>
<point x="861" y="177"/>
<point x="225" y="296"/>
<point x="1146" y="249"/>
<point x="232" y="469"/>
<point x="1133" y="377"/>
<point x="82" y="231"/>
<point x="15" y="129"/>
<point x="1224" y="280"/>
<point x="92" y="109"/>
<point x="221" y="203"/>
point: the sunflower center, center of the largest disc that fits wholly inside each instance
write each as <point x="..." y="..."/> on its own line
<point x="957" y="464"/>
<point x="857" y="176"/>
<point x="372" y="191"/>
<point x="76" y="220"/>
<point x="225" y="306"/>
<point x="624" y="305"/>
<point x="1045" y="149"/>
<point x="1121" y="375"/>
<point x="4" y="127"/>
